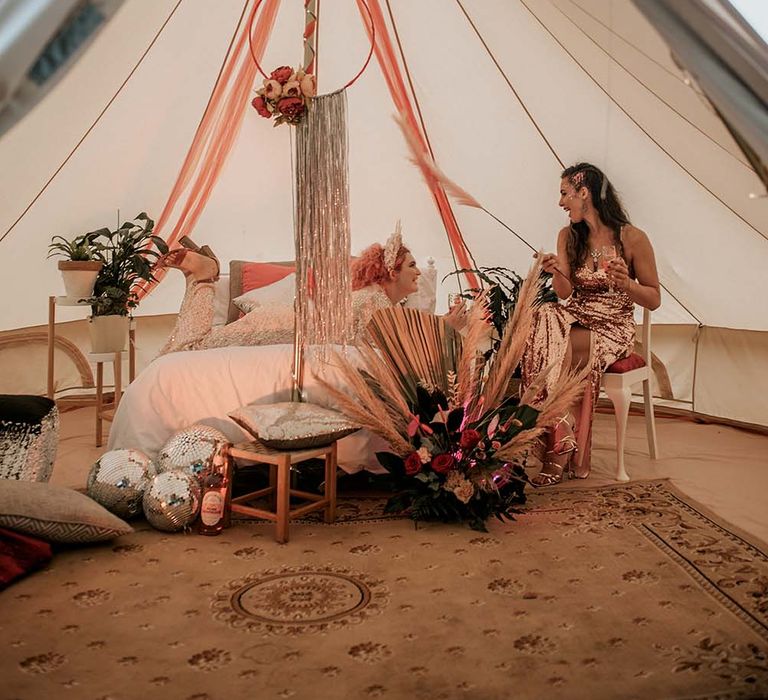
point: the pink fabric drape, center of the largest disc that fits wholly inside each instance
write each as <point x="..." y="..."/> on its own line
<point x="217" y="131"/>
<point x="390" y="68"/>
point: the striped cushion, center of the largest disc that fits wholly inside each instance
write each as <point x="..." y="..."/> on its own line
<point x="56" y="514"/>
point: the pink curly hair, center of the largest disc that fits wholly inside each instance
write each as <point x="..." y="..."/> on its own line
<point x="368" y="268"/>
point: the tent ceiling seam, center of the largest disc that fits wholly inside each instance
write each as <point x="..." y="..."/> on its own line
<point x="639" y="126"/>
<point x="93" y="125"/>
<point x="656" y="95"/>
<point x="509" y="84"/>
<point x="424" y="130"/>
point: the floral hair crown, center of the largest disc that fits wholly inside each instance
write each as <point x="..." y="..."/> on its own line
<point x="392" y="248"/>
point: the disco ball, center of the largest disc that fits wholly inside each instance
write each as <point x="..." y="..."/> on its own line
<point x="118" y="480"/>
<point x="172" y="501"/>
<point x="191" y="450"/>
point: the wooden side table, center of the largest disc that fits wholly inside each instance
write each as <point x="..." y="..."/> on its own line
<point x="102" y="412"/>
<point x="279" y="488"/>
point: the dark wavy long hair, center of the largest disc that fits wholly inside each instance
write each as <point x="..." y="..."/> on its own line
<point x="607" y="203"/>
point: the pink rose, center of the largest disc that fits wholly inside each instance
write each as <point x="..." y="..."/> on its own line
<point x="309" y="85"/>
<point x="469" y="438"/>
<point x="443" y="463"/>
<point x="281" y="74"/>
<point x="291" y="107"/>
<point x="272" y="89"/>
<point x="292" y="89"/>
<point x="260" y="106"/>
<point x="412" y="464"/>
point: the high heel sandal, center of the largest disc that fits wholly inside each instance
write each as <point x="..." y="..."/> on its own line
<point x="177" y="257"/>
<point x="205" y="250"/>
<point x="552" y="471"/>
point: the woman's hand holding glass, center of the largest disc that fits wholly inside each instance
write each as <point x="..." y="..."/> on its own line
<point x="549" y="262"/>
<point x="456" y="317"/>
<point x="618" y="274"/>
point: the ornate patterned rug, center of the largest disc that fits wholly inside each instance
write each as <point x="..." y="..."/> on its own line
<point x="618" y="592"/>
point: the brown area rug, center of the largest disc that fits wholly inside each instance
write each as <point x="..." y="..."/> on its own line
<point x="618" y="592"/>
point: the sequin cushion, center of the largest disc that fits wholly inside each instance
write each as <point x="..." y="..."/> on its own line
<point x="56" y="514"/>
<point x="293" y="426"/>
<point x="29" y="436"/>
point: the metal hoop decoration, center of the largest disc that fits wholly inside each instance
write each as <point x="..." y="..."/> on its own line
<point x="359" y="73"/>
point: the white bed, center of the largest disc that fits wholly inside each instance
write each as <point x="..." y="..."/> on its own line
<point x="203" y="386"/>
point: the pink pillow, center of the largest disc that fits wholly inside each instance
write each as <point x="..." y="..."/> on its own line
<point x="626" y="364"/>
<point x="257" y="275"/>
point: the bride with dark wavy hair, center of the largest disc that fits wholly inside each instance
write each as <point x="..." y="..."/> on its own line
<point x="603" y="267"/>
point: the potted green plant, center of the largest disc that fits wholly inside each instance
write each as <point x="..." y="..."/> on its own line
<point x="80" y="265"/>
<point x="128" y="255"/>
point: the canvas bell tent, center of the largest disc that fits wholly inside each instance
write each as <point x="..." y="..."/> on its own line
<point x="506" y="93"/>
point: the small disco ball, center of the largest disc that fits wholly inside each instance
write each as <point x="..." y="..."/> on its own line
<point x="172" y="501"/>
<point x="118" y="479"/>
<point x="192" y="450"/>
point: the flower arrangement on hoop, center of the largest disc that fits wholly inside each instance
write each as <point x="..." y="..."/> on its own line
<point x="285" y="95"/>
<point x="458" y="434"/>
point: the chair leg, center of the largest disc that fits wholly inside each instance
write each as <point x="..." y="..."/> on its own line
<point x="620" y="398"/>
<point x="650" y="420"/>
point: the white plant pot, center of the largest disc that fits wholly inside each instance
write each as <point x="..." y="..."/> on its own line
<point x="108" y="333"/>
<point x="79" y="277"/>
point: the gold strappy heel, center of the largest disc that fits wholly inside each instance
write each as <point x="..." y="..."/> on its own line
<point x="205" y="250"/>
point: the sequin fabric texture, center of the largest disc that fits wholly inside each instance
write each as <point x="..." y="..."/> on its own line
<point x="609" y="315"/>
<point x="28" y="449"/>
<point x="264" y="325"/>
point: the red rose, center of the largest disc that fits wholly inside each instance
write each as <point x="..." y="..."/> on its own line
<point x="291" y="106"/>
<point x="412" y="464"/>
<point x="281" y="74"/>
<point x="260" y="106"/>
<point x="443" y="463"/>
<point x="469" y="438"/>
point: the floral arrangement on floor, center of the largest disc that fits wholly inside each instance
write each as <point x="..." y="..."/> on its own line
<point x="285" y="95"/>
<point x="458" y="434"/>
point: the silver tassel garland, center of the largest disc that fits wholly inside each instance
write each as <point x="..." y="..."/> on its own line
<point x="322" y="237"/>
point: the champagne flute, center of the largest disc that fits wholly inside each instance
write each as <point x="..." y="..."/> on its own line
<point x="608" y="253"/>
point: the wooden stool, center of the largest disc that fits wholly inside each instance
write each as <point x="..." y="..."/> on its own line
<point x="279" y="488"/>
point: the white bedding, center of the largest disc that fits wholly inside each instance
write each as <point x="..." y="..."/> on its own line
<point x="203" y="386"/>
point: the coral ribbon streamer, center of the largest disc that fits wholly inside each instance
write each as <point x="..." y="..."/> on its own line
<point x="216" y="133"/>
<point x="385" y="55"/>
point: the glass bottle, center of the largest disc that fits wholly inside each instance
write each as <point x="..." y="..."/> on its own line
<point x="215" y="502"/>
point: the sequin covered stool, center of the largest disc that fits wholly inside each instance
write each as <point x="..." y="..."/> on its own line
<point x="29" y="436"/>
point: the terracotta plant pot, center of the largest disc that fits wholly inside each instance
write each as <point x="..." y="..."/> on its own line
<point x="108" y="333"/>
<point x="79" y="277"/>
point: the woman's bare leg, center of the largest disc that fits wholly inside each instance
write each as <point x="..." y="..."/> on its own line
<point x="560" y="442"/>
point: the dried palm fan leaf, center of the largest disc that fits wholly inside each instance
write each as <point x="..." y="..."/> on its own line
<point x="417" y="347"/>
<point x="514" y="340"/>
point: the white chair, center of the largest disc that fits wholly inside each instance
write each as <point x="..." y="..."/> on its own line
<point x="617" y="381"/>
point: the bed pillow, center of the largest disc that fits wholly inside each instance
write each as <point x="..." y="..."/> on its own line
<point x="292" y="425"/>
<point x="56" y="514"/>
<point x="245" y="276"/>
<point x="220" y="300"/>
<point x="280" y="293"/>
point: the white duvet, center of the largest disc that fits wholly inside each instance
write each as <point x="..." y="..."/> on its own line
<point x="203" y="386"/>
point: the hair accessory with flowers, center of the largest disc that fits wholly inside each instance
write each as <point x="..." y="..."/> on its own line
<point x="285" y="95"/>
<point x="577" y="179"/>
<point x="392" y="248"/>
